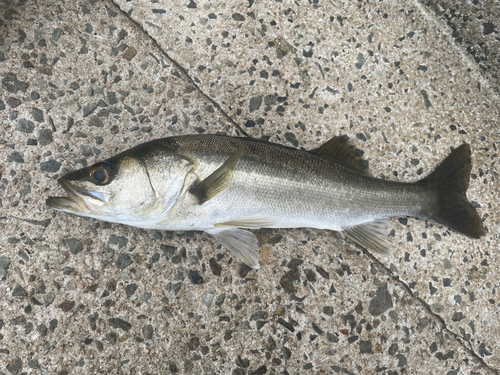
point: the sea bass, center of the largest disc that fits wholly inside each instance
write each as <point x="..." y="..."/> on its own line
<point x="226" y="185"/>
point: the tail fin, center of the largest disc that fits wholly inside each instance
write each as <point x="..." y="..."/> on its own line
<point x="450" y="181"/>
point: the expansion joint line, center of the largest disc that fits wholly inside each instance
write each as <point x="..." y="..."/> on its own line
<point x="397" y="280"/>
<point x="179" y="67"/>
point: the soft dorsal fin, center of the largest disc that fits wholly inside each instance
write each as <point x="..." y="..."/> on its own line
<point x="341" y="149"/>
<point x="372" y="236"/>
<point x="218" y="181"/>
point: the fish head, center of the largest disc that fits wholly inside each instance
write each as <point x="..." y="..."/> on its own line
<point x="138" y="187"/>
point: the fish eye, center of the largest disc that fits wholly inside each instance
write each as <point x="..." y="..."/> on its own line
<point x="101" y="174"/>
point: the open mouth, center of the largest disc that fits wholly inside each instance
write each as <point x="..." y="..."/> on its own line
<point x="76" y="201"/>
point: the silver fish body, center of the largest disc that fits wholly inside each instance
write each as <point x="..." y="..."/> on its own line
<point x="224" y="185"/>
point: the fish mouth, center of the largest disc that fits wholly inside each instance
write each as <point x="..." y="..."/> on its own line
<point x="77" y="201"/>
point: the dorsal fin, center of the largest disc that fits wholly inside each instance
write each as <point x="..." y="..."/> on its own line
<point x="341" y="149"/>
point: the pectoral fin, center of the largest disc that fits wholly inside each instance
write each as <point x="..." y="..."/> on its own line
<point x="372" y="236"/>
<point x="218" y="181"/>
<point x="241" y="243"/>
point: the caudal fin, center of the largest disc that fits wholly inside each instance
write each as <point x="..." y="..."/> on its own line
<point x="450" y="181"/>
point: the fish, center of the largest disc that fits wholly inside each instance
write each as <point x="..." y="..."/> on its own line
<point x="227" y="186"/>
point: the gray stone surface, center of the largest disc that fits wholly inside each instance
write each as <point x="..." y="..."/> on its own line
<point x="406" y="80"/>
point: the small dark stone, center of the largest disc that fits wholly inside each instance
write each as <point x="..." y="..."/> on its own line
<point x="249" y="124"/>
<point x="293" y="274"/>
<point x="147" y="331"/>
<point x="74" y="85"/>
<point x="483" y="351"/>
<point x="2" y="105"/>
<point x="381" y="302"/>
<point x="310" y="275"/>
<point x="365" y="347"/>
<point x="290" y="137"/>
<point x="238" y="17"/>
<point x="35" y="95"/>
<point x="294" y="263"/>
<point x="422" y="68"/>
<point x="259" y="315"/>
<point x="328" y="310"/>
<point x="393" y="349"/>
<point x="352" y="339"/>
<point x="96" y="121"/>
<point x="308" y="53"/>
<point x="45" y="137"/>
<point x="123" y="261"/>
<point x="53" y="325"/>
<point x="111" y="98"/>
<point x="17" y="157"/>
<point x="191" y="5"/>
<point x="50" y="166"/>
<point x="260" y="371"/>
<point x="89" y="109"/>
<point x="37" y="115"/>
<point x="119" y="241"/>
<point x="243" y="270"/>
<point x="75" y="246"/>
<point x="15" y="366"/>
<point x="56" y="34"/>
<point x="112" y="338"/>
<point x="285" y="324"/>
<point x="195" y="277"/>
<point x="361" y="61"/>
<point x="49" y="298"/>
<point x="119" y="323"/>
<point x="13" y="85"/>
<point x="401" y="360"/>
<point x="19" y="291"/>
<point x="457" y="316"/>
<point x="67" y="306"/>
<point x="361" y="137"/>
<point x="489" y="28"/>
<point x="322" y="272"/>
<point x="4" y="266"/>
<point x="255" y="103"/>
<point x="25" y="126"/>
<point x="130" y="289"/>
<point x="215" y="267"/>
<point x="42" y="329"/>
<point x="287" y="284"/>
<point x="432" y="289"/>
<point x="13" y="102"/>
<point x="194" y="343"/>
<point x="425" y="96"/>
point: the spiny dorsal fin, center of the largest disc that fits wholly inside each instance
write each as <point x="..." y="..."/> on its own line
<point x="218" y="181"/>
<point x="341" y="149"/>
<point x="372" y="236"/>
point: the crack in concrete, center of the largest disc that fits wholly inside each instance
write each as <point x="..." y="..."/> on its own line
<point x="179" y="67"/>
<point x="438" y="318"/>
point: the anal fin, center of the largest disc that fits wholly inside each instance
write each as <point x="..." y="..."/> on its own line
<point x="372" y="236"/>
<point x="240" y="242"/>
